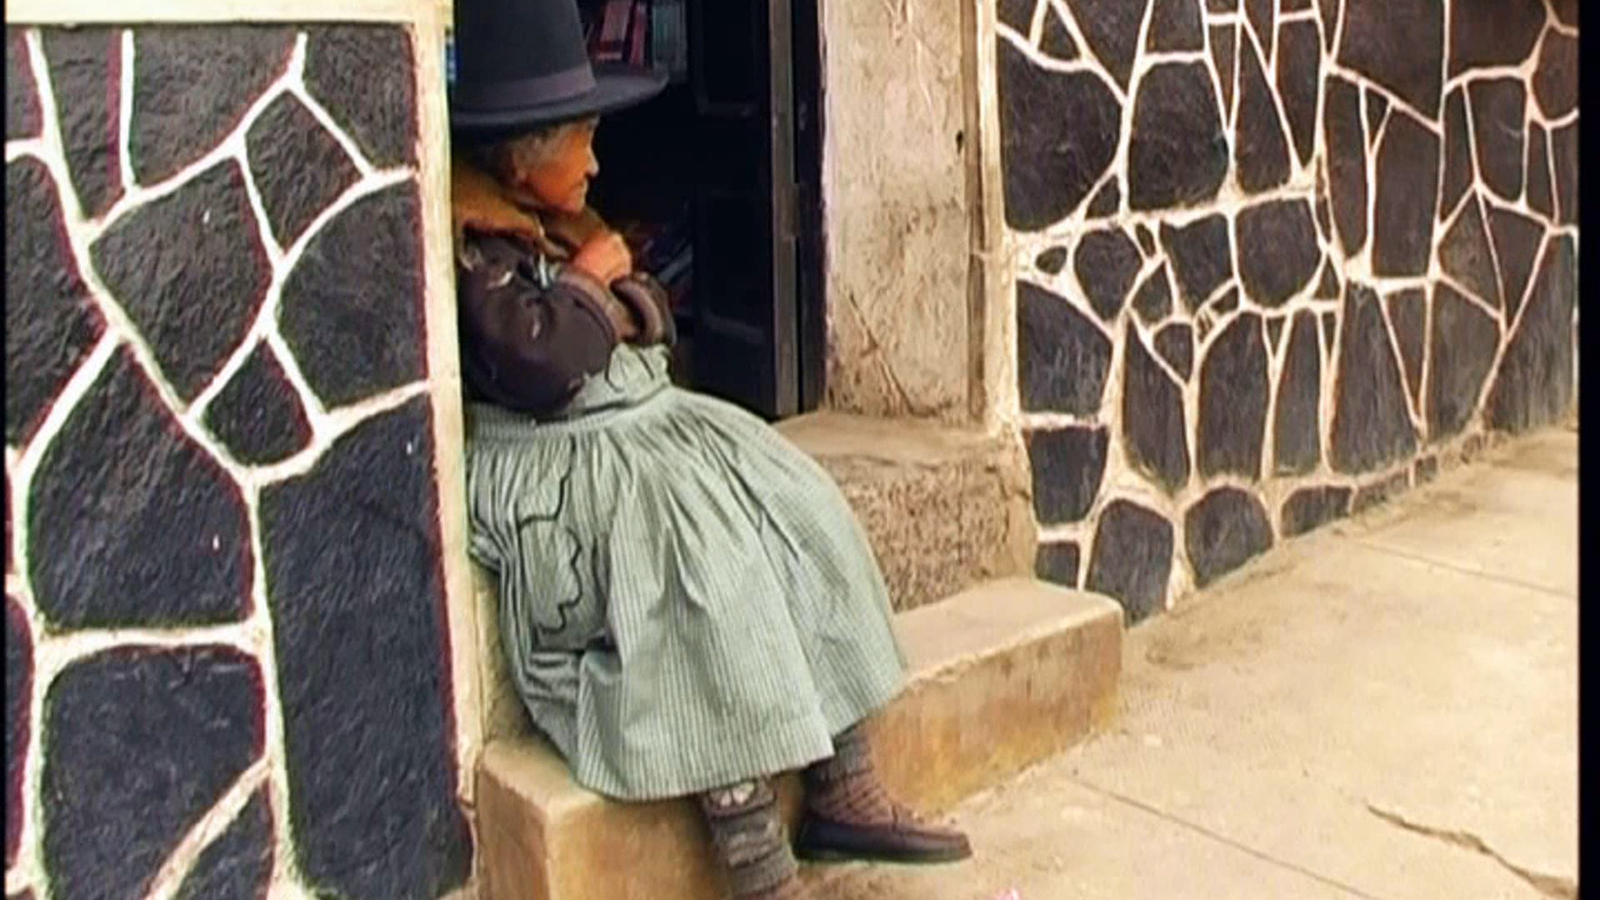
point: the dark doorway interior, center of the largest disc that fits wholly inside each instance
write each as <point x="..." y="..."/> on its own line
<point x="716" y="185"/>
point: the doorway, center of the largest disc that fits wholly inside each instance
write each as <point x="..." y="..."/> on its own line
<point x="716" y="186"/>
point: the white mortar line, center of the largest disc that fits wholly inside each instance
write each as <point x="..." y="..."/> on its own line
<point x="164" y="885"/>
<point x="1399" y="359"/>
<point x="125" y="112"/>
<point x="335" y="425"/>
<point x="1036" y="23"/>
<point x="297" y="87"/>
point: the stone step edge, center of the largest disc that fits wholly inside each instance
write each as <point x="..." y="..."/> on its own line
<point x="988" y="625"/>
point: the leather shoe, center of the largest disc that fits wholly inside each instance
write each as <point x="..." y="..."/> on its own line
<point x="902" y="840"/>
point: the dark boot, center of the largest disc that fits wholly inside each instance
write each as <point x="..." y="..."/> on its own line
<point x="749" y="842"/>
<point x="849" y="816"/>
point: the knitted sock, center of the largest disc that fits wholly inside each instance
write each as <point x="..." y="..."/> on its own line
<point x="845" y="787"/>
<point x="749" y="841"/>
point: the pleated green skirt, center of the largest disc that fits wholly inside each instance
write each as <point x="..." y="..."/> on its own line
<point x="686" y="599"/>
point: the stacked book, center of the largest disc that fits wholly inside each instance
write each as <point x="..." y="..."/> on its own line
<point x="643" y="33"/>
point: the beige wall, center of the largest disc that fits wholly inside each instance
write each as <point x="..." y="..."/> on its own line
<point x="894" y="208"/>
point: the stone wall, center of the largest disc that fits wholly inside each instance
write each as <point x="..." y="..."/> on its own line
<point x="228" y="663"/>
<point x="1273" y="260"/>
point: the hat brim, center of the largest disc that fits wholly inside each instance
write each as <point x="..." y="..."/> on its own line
<point x="615" y="88"/>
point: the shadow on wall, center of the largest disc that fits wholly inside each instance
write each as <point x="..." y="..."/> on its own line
<point x="1283" y="262"/>
<point x="226" y="658"/>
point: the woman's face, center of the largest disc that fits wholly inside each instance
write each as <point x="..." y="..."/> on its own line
<point x="556" y="170"/>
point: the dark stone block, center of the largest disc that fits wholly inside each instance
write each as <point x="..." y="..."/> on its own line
<point x="363" y="75"/>
<point x="1405" y="197"/>
<point x="1464" y="342"/>
<point x="1327" y="285"/>
<point x="1223" y="530"/>
<point x="1324" y="216"/>
<point x="1262" y="16"/>
<point x="1299" y="74"/>
<point x="1297" y="423"/>
<point x="258" y="415"/>
<point x="1408" y="316"/>
<point x="1223" y="40"/>
<point x="1017" y="13"/>
<point x="1566" y="12"/>
<point x="1058" y="136"/>
<point x="1540" y="198"/>
<point x="1371" y="424"/>
<point x="1107" y="201"/>
<point x="1458" y="168"/>
<point x="114" y="482"/>
<point x="1311" y="508"/>
<point x="238" y="864"/>
<point x="1465" y="256"/>
<point x="1106" y="262"/>
<point x="86" y="75"/>
<point x="1516" y="242"/>
<point x="1175" y="343"/>
<point x="1201" y="256"/>
<point x="1330" y="326"/>
<point x="1233" y="401"/>
<point x="1153" y="424"/>
<point x="1555" y="83"/>
<point x="1057" y="563"/>
<point x="1147" y="240"/>
<point x="1347" y="162"/>
<point x="1384" y="489"/>
<point x="1062" y="357"/>
<point x="1329" y="9"/>
<point x="1112" y="29"/>
<point x="1222" y="6"/>
<point x="1051" y="261"/>
<point x="190" y="271"/>
<point x="194" y="84"/>
<point x="1492" y="33"/>
<point x="1400" y="45"/>
<point x="19" y="693"/>
<point x="1067" y="468"/>
<point x="1175" y="25"/>
<point x="51" y="323"/>
<point x="1177" y="151"/>
<point x="22" y="98"/>
<point x="352" y="555"/>
<point x="1278" y="250"/>
<point x="143" y="741"/>
<point x="1260" y="150"/>
<point x="1153" y="300"/>
<point x="1497" y="117"/>
<point x="1295" y="5"/>
<point x="1534" y="386"/>
<point x="1564" y="149"/>
<point x="1377" y="109"/>
<point x="352" y="307"/>
<point x="1056" y="41"/>
<point x="1132" y="558"/>
<point x="298" y="167"/>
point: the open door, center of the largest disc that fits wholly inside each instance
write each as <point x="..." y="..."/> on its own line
<point x="746" y="314"/>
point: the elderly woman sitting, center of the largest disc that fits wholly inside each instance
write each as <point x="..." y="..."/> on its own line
<point x="688" y="605"/>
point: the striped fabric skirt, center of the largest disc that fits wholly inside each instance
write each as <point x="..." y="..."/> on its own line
<point x="686" y="599"/>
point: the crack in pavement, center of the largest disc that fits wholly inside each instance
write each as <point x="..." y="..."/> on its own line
<point x="1548" y="885"/>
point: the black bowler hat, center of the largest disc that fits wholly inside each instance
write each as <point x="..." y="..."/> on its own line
<point x="521" y="65"/>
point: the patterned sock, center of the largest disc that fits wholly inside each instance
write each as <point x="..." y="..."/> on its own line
<point x="845" y="787"/>
<point x="749" y="841"/>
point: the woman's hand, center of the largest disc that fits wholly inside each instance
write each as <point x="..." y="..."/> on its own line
<point x="604" y="257"/>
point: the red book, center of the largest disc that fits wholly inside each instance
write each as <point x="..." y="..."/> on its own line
<point x="641" y="27"/>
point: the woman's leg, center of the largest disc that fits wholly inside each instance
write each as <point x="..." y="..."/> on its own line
<point x="849" y="815"/>
<point x="749" y="841"/>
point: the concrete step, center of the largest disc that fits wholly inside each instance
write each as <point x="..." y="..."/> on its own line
<point x="1002" y="675"/>
<point x="972" y="521"/>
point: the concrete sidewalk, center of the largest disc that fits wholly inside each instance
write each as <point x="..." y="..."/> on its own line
<point x="1385" y="709"/>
